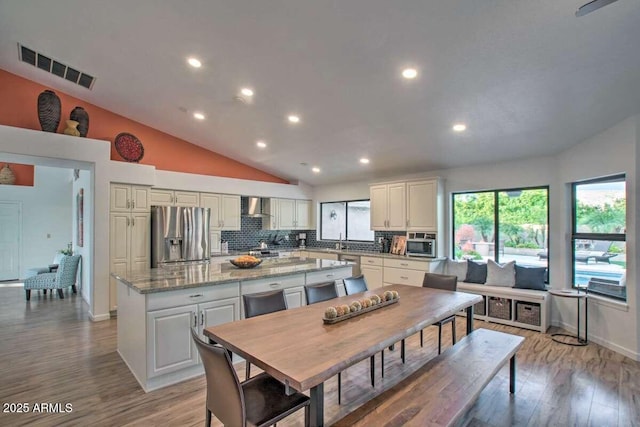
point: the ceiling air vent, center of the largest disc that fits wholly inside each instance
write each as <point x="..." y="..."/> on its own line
<point x="52" y="66"/>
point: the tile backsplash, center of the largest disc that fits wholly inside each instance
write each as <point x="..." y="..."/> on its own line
<point x="251" y="234"/>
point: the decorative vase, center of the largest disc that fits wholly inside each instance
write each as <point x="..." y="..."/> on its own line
<point x="82" y="117"/>
<point x="49" y="111"/>
<point x="72" y="128"/>
<point x="6" y="176"/>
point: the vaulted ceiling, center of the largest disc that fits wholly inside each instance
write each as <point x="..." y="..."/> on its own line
<point x="527" y="78"/>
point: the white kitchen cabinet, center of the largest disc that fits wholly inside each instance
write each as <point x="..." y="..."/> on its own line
<point x="371" y="269"/>
<point x="215" y="239"/>
<point x="170" y="345"/>
<point x="295" y="296"/>
<point x="129" y="198"/>
<point x="320" y="255"/>
<point x="333" y="275"/>
<point x="225" y="210"/>
<point x="422" y="205"/>
<point x="160" y="197"/>
<point x="388" y="206"/>
<point x="287" y="214"/>
<point x="407" y="271"/>
<point x="129" y="233"/>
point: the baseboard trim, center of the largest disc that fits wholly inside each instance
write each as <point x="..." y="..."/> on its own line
<point x="98" y="317"/>
<point x="600" y="341"/>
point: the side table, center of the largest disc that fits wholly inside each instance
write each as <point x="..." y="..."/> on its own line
<point x="577" y="295"/>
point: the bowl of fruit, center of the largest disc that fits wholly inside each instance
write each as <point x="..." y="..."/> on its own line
<point x="246" y="261"/>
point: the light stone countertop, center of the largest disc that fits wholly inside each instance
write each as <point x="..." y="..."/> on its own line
<point x="185" y="276"/>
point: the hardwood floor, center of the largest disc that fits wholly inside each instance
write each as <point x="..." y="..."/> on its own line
<point x="51" y="353"/>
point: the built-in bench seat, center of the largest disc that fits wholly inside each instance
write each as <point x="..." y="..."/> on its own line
<point x="524" y="308"/>
<point x="443" y="389"/>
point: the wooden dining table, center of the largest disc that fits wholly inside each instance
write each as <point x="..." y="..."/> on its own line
<point x="296" y="347"/>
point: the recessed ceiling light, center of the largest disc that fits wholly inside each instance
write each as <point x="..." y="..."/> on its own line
<point x="409" y="73"/>
<point x="293" y="118"/>
<point x="364" y="161"/>
<point x="459" y="127"/>
<point x="246" y="91"/>
<point x="194" y="62"/>
<point x="261" y="144"/>
<point x="198" y="115"/>
<point x="315" y="169"/>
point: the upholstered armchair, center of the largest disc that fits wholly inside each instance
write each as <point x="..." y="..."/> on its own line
<point x="63" y="278"/>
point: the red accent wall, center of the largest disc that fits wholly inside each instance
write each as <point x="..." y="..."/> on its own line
<point x="18" y="108"/>
<point x="24" y="173"/>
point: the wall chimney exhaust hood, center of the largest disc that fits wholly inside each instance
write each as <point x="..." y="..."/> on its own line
<point x="252" y="207"/>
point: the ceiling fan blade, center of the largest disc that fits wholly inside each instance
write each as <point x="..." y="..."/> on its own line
<point x="591" y="6"/>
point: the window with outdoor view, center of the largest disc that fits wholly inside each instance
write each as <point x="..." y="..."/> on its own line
<point x="502" y="225"/>
<point x="348" y="220"/>
<point x="599" y="236"/>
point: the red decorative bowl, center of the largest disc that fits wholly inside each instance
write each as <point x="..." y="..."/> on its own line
<point x="129" y="147"/>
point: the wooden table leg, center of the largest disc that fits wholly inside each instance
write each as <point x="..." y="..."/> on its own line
<point x="316" y="408"/>
<point x="469" y="319"/>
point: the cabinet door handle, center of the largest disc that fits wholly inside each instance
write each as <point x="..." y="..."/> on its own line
<point x="404" y="277"/>
<point x="128" y="204"/>
<point x="407" y="223"/>
<point x="202" y="318"/>
<point x="274" y="285"/>
<point x="127" y="221"/>
<point x="221" y="223"/>
<point x="195" y="320"/>
<point x="133" y="204"/>
<point x="133" y="222"/>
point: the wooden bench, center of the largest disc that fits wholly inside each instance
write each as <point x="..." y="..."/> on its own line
<point x="441" y="391"/>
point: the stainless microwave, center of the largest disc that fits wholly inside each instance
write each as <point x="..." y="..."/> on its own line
<point x="421" y="244"/>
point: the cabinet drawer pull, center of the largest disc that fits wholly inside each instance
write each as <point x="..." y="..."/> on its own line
<point x="404" y="277"/>
<point x="330" y="275"/>
<point x="274" y="285"/>
<point x="196" y="296"/>
<point x="404" y="264"/>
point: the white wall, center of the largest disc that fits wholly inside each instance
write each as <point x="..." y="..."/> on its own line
<point x="46" y="215"/>
<point x="612" y="324"/>
<point x="83" y="182"/>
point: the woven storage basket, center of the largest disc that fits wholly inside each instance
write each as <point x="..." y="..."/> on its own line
<point x="479" y="308"/>
<point x="500" y="308"/>
<point x="528" y="312"/>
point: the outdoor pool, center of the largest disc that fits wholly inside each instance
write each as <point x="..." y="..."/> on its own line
<point x="582" y="276"/>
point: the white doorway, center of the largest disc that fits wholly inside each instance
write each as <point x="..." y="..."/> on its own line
<point x="10" y="242"/>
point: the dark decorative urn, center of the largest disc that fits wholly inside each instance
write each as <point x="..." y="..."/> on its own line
<point x="49" y="111"/>
<point x="82" y="117"/>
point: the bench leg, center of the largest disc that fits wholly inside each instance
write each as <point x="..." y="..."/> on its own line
<point x="382" y="362"/>
<point x="512" y="374"/>
<point x="439" y="338"/>
<point x="402" y="351"/>
<point x="421" y="338"/>
<point x="339" y="388"/>
<point x="453" y="330"/>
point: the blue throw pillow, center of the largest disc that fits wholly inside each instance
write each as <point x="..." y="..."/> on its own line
<point x="530" y="278"/>
<point x="476" y="273"/>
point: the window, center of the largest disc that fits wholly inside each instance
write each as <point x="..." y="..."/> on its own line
<point x="346" y="220"/>
<point x="519" y="217"/>
<point x="598" y="236"/>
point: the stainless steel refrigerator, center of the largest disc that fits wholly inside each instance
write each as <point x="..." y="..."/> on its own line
<point x="179" y="234"/>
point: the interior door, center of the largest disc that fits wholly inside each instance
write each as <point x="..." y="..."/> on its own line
<point x="10" y="250"/>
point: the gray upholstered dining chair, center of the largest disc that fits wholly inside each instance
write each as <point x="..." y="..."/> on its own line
<point x="262" y="303"/>
<point x="320" y="292"/>
<point x="64" y="277"/>
<point x="323" y="292"/>
<point x="259" y="401"/>
<point x="447" y="283"/>
<point x="354" y="285"/>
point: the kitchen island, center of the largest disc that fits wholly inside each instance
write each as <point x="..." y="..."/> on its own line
<point x="157" y="308"/>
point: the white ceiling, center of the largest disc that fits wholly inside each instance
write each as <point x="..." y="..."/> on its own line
<point x="527" y="77"/>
